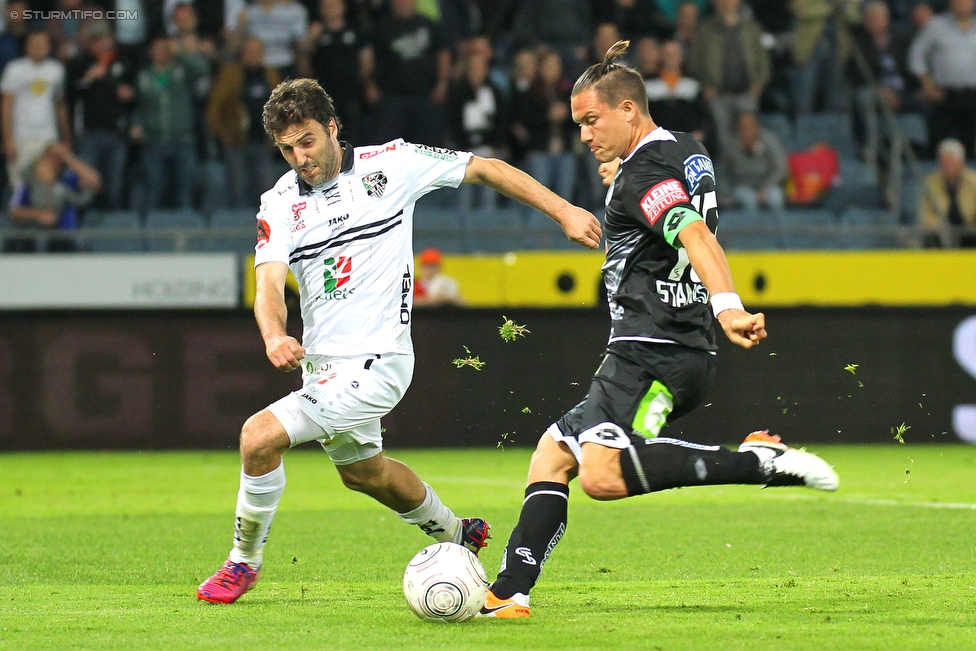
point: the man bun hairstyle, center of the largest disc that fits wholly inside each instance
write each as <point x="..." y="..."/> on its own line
<point x="614" y="82"/>
<point x="296" y="101"/>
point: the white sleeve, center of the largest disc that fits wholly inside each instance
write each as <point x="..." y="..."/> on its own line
<point x="10" y="80"/>
<point x="428" y="168"/>
<point x="918" y="54"/>
<point x="274" y="233"/>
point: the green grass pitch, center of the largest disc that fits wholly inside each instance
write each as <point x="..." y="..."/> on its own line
<point x="105" y="550"/>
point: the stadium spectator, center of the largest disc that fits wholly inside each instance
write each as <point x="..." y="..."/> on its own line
<point x="922" y="13"/>
<point x="604" y="35"/>
<point x="281" y="25"/>
<point x="821" y="45"/>
<point x="673" y="9"/>
<point x="885" y="50"/>
<point x="200" y="53"/>
<point x="943" y="57"/>
<point x="949" y="198"/>
<point x="433" y="287"/>
<point x="131" y="33"/>
<point x="101" y="91"/>
<point x="543" y="118"/>
<point x="647" y="57"/>
<point x="216" y="18"/>
<point x="14" y="35"/>
<point x="755" y="166"/>
<point x="525" y="67"/>
<point x="477" y="115"/>
<point x="187" y="36"/>
<point x="234" y="117"/>
<point x="49" y="196"/>
<point x="459" y="21"/>
<point x="34" y="110"/>
<point x="686" y="24"/>
<point x="409" y="82"/>
<point x="337" y="54"/>
<point x="675" y="101"/>
<point x="729" y="60"/>
<point x="163" y="122"/>
<point x="68" y="31"/>
<point x="634" y="18"/>
<point x="563" y="26"/>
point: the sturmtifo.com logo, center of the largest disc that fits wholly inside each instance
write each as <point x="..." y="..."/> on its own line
<point x="75" y="14"/>
<point x="338" y="272"/>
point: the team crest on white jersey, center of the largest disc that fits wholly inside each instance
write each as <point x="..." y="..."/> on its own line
<point x="375" y="184"/>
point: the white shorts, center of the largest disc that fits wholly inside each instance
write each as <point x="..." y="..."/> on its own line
<point x="341" y="402"/>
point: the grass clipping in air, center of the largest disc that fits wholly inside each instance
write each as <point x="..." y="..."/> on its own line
<point x="474" y="362"/>
<point x="509" y="331"/>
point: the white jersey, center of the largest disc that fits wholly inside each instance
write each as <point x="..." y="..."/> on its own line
<point x="350" y="245"/>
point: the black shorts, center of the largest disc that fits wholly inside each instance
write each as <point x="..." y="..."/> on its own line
<point x="638" y="388"/>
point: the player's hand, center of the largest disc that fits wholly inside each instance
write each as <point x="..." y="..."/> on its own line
<point x="608" y="171"/>
<point x="742" y="328"/>
<point x="581" y="226"/>
<point x="284" y="352"/>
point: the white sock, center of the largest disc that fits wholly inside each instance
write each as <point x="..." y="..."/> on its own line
<point x="257" y="501"/>
<point x="434" y="518"/>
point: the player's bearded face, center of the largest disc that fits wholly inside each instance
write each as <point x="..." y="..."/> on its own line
<point x="312" y="150"/>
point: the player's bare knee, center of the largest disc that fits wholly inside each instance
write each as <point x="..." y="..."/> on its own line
<point x="552" y="461"/>
<point x="259" y="440"/>
<point x="601" y="486"/>
<point x="356" y="482"/>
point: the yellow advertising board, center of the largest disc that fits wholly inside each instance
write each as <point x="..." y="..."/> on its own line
<point x="775" y="278"/>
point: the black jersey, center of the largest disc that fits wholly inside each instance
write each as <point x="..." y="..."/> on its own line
<point x="667" y="183"/>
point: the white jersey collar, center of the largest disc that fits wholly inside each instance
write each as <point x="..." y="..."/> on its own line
<point x="658" y="134"/>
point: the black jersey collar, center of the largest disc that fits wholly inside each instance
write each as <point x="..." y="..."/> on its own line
<point x="348" y="158"/>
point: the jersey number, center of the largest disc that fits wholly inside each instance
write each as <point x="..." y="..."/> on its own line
<point x="707" y="206"/>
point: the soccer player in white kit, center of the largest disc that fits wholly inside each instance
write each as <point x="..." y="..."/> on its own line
<point x="342" y="220"/>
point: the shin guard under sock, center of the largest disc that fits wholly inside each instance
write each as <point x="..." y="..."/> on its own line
<point x="663" y="463"/>
<point x="541" y="524"/>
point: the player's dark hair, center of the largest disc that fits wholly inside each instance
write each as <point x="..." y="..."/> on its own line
<point x="296" y="101"/>
<point x="614" y="82"/>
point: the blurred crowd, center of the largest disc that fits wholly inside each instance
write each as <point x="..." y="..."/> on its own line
<point x="159" y="103"/>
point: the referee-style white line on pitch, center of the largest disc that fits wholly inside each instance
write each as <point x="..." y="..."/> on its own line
<point x="876" y="502"/>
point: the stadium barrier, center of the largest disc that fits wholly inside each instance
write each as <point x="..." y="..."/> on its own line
<point x="189" y="379"/>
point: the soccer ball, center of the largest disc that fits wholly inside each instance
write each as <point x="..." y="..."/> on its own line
<point x="445" y="583"/>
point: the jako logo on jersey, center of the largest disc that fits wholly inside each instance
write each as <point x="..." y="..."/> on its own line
<point x="264" y="233"/>
<point x="376" y="152"/>
<point x="336" y="275"/>
<point x="375" y="184"/>
<point x="661" y="197"/>
<point x="296" y="210"/>
<point x="697" y="167"/>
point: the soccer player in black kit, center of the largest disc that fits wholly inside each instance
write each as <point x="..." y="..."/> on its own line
<point x="665" y="276"/>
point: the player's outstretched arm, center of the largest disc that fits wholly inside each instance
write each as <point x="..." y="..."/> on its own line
<point x="578" y="224"/>
<point x="709" y="262"/>
<point x="271" y="314"/>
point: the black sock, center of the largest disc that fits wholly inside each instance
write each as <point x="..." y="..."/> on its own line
<point x="664" y="463"/>
<point x="541" y="524"/>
